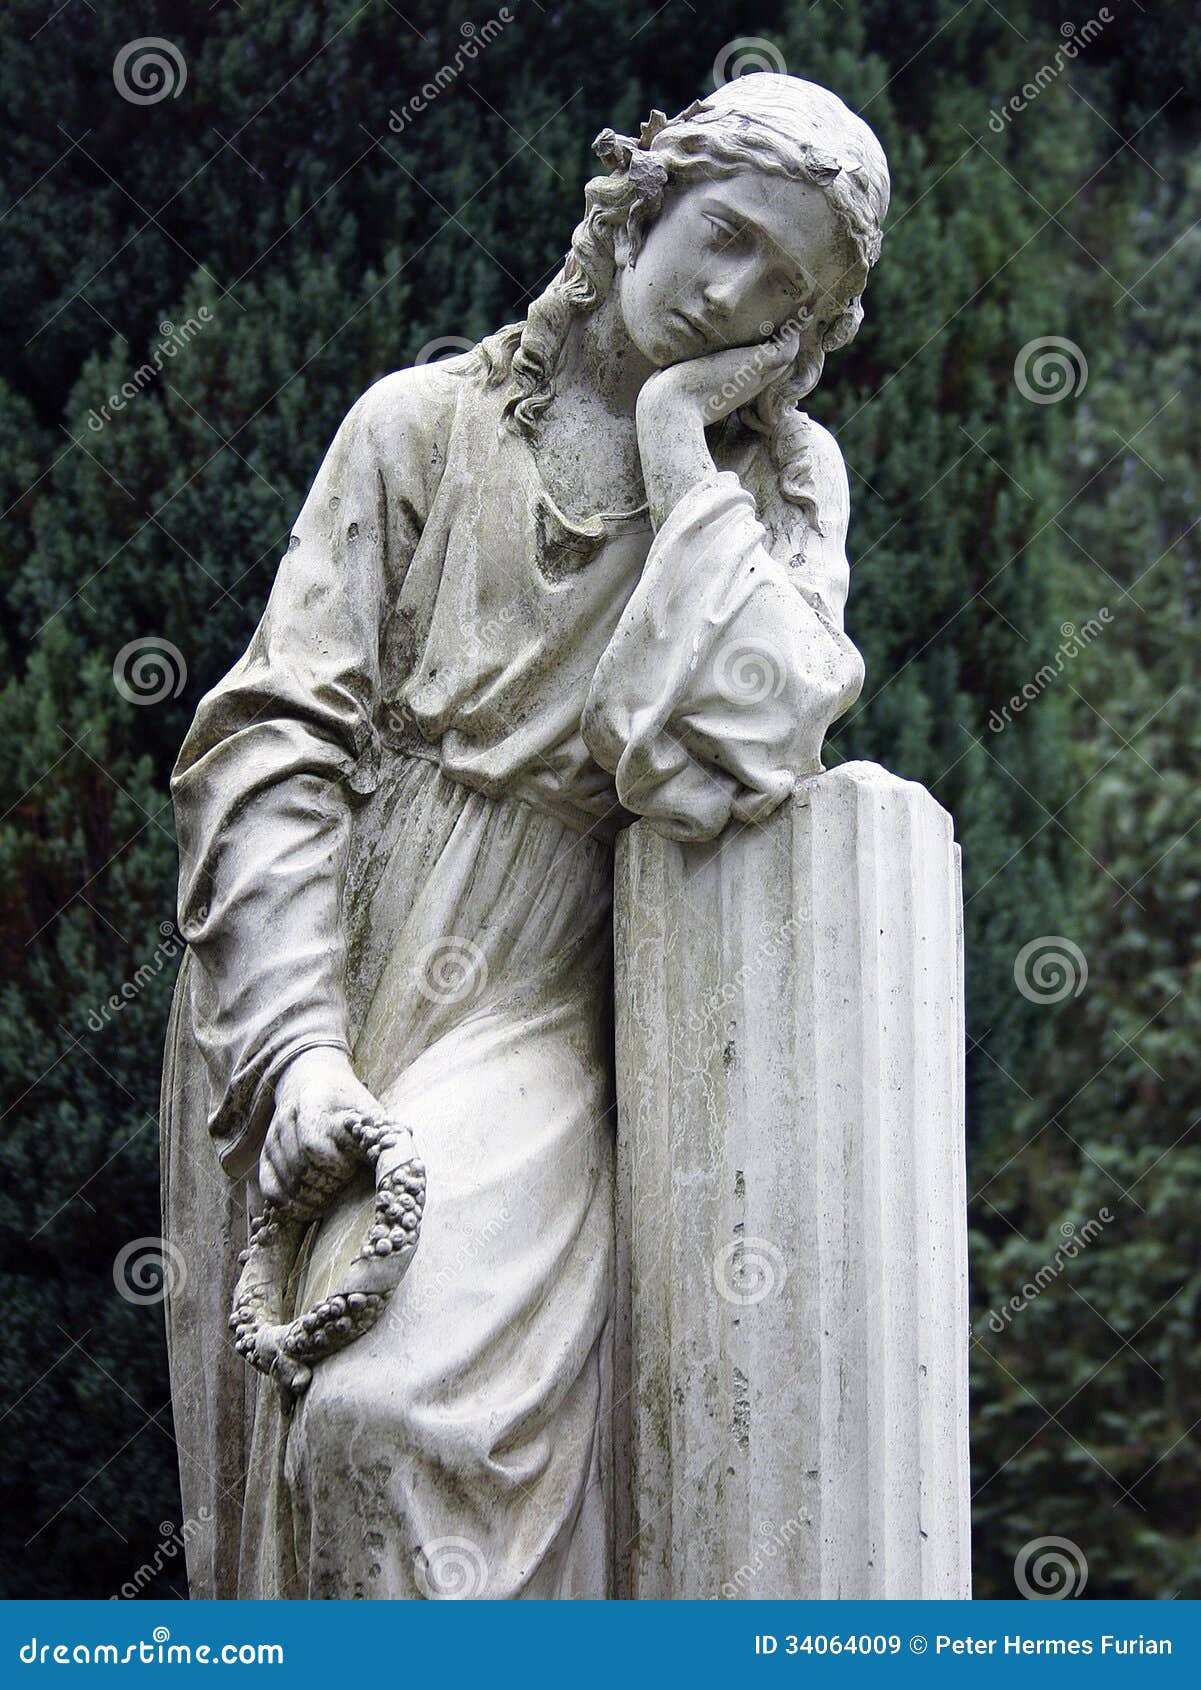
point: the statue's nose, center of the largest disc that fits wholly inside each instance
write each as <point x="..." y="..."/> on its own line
<point x="728" y="289"/>
<point x="721" y="295"/>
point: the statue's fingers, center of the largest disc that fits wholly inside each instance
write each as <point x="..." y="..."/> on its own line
<point x="270" y="1184"/>
<point x="776" y="355"/>
<point x="788" y="339"/>
<point x="371" y="1116"/>
<point x="334" y="1148"/>
<point x="289" y="1157"/>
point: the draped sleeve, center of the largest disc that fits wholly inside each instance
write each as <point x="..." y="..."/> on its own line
<point x="282" y="749"/>
<point x="730" y="660"/>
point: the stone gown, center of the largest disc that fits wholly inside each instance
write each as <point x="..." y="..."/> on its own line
<point x="396" y="817"/>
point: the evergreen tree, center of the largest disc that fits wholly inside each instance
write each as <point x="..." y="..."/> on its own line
<point x="235" y="264"/>
<point x="1087" y="1394"/>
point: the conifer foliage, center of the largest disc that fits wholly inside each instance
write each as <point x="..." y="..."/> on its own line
<point x="222" y="224"/>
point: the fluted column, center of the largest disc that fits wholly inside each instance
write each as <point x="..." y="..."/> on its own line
<point x="792" y="1320"/>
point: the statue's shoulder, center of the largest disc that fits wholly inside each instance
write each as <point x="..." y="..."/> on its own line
<point x="828" y="472"/>
<point x="809" y="492"/>
<point x="413" y="409"/>
<point x="827" y="453"/>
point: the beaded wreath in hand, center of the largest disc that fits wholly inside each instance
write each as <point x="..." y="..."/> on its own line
<point x="284" y="1349"/>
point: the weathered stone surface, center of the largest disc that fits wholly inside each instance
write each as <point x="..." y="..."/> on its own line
<point x="593" y="568"/>
<point x="792" y="1305"/>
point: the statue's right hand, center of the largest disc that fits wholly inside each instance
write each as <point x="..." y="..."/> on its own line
<point x="316" y="1098"/>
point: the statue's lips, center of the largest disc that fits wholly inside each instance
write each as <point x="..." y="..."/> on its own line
<point x="697" y="329"/>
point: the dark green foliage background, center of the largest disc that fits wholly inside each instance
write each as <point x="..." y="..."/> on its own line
<point x="329" y="250"/>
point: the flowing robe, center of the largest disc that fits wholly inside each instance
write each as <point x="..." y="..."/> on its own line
<point x="396" y="817"/>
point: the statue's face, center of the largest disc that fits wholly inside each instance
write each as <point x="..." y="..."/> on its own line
<point x="727" y="262"/>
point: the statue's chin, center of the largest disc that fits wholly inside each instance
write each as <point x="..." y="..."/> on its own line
<point x="659" y="343"/>
<point x="673" y="352"/>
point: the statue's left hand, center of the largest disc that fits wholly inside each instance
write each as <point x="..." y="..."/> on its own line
<point x="704" y="390"/>
<point x="325" y="1124"/>
<point x="317" y="1096"/>
<point x="678" y="403"/>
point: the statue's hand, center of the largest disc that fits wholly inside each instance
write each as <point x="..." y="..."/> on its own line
<point x="703" y="390"/>
<point x="316" y="1098"/>
<point x="677" y="404"/>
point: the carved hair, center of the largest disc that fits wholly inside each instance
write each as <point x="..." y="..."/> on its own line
<point x="774" y="123"/>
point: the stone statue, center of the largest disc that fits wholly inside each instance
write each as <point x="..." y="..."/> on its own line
<point x="514" y="617"/>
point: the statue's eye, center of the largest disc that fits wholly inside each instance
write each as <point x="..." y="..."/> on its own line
<point x="723" y="234"/>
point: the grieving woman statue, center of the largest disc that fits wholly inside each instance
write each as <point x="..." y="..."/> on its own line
<point x="513" y="617"/>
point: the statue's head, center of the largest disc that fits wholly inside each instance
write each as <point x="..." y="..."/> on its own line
<point x="758" y="209"/>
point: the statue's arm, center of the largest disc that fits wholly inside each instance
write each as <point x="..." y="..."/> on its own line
<point x="278" y="750"/>
<point x="730" y="661"/>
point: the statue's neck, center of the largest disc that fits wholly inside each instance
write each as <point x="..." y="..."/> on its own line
<point x="600" y="362"/>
